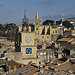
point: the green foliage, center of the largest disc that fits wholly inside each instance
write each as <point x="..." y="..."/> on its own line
<point x="58" y="22"/>
<point x="2" y="30"/>
<point x="2" y="27"/>
<point x="10" y="30"/>
<point x="10" y="25"/>
<point x="59" y="37"/>
<point x="67" y="24"/>
<point x="47" y="22"/>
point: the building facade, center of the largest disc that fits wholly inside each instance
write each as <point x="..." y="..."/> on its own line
<point x="42" y="32"/>
<point x="30" y="37"/>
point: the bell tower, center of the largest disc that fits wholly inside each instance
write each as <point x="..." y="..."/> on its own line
<point x="37" y="24"/>
<point x="28" y="47"/>
<point x="25" y="22"/>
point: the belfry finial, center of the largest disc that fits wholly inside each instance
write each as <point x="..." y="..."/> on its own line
<point x="37" y="14"/>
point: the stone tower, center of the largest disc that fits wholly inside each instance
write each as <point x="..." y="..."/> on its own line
<point x="37" y="24"/>
<point x="27" y="44"/>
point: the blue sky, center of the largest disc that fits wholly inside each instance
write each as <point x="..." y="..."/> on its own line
<point x="13" y="10"/>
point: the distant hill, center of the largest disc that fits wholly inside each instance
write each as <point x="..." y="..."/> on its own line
<point x="71" y="19"/>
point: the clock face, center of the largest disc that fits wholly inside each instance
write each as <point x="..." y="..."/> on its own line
<point x="28" y="39"/>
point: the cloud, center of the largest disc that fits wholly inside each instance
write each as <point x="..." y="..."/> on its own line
<point x="1" y="4"/>
<point x="46" y="2"/>
<point x="57" y="17"/>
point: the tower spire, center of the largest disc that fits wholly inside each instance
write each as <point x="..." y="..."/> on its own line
<point x="37" y="20"/>
<point x="25" y="20"/>
<point x="24" y="13"/>
<point x="37" y="14"/>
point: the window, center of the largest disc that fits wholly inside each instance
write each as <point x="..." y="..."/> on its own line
<point x="53" y="31"/>
<point x="36" y="28"/>
<point x="47" y="37"/>
<point x="37" y="37"/>
<point x="36" y="23"/>
<point x="42" y="36"/>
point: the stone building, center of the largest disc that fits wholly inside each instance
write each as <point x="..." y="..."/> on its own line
<point x="26" y="44"/>
<point x="29" y="36"/>
<point x="42" y="32"/>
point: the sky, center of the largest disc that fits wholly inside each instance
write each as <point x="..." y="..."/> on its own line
<point x="12" y="11"/>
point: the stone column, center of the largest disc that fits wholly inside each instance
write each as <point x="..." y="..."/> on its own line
<point x="29" y="29"/>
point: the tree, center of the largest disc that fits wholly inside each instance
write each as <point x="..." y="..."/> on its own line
<point x="47" y="22"/>
<point x="10" y="25"/>
<point x="67" y="24"/>
<point x="11" y="29"/>
<point x="59" y="37"/>
<point x="58" y="22"/>
<point x="2" y="30"/>
<point x="2" y="27"/>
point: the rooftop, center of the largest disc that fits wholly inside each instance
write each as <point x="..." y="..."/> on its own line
<point x="13" y="63"/>
<point x="25" y="70"/>
<point x="64" y="39"/>
<point x="65" y="66"/>
<point x="2" y="62"/>
<point x="68" y="30"/>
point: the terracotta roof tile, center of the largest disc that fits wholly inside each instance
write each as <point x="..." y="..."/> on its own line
<point x="64" y="39"/>
<point x="72" y="68"/>
<point x="68" y="30"/>
<point x="64" y="66"/>
<point x="32" y="72"/>
<point x="2" y="62"/>
<point x="22" y="69"/>
<point x="12" y="63"/>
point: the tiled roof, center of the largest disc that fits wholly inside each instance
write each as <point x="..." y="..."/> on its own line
<point x="65" y="66"/>
<point x="22" y="69"/>
<point x="2" y="62"/>
<point x="73" y="55"/>
<point x="72" y="68"/>
<point x="32" y="72"/>
<point x="12" y="63"/>
<point x="64" y="39"/>
<point x="68" y="30"/>
<point x="55" y="62"/>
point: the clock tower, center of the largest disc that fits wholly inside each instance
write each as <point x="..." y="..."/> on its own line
<point x="28" y="48"/>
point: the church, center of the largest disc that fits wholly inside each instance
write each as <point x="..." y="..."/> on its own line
<point x="42" y="32"/>
<point x="32" y="35"/>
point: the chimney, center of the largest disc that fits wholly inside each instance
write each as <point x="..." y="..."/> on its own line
<point x="46" y="67"/>
<point x="22" y="65"/>
<point x="14" y="67"/>
<point x="9" y="69"/>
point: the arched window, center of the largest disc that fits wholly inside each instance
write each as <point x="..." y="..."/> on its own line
<point x="53" y="31"/>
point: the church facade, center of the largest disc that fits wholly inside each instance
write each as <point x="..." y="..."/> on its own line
<point x="42" y="32"/>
